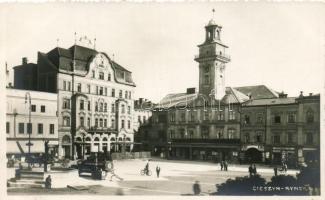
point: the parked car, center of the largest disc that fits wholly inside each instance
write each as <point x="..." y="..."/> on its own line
<point x="90" y="165"/>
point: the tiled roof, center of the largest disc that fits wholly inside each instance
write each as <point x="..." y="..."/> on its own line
<point x="274" y="101"/>
<point x="258" y="92"/>
<point x="234" y="96"/>
<point x="178" y="99"/>
<point x="118" y="66"/>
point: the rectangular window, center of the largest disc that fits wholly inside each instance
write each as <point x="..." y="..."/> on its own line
<point x="172" y="134"/>
<point x="66" y="104"/>
<point x="101" y="76"/>
<point x="123" y="109"/>
<point x="64" y="85"/>
<point x="93" y="73"/>
<point x="113" y="123"/>
<point x="276" y="139"/>
<point x="105" y="123"/>
<point x="105" y="92"/>
<point x="309" y="138"/>
<point x="290" y="138"/>
<point x="43" y="109"/>
<point x="259" y="119"/>
<point x="79" y="87"/>
<point x="96" y="106"/>
<point x="126" y="94"/>
<point x="88" y="105"/>
<point x="205" y="132"/>
<point x="7" y="127"/>
<point x="183" y="117"/>
<point x="130" y="95"/>
<point x="291" y="118"/>
<point x="88" y="89"/>
<point x="101" y="122"/>
<point x="97" y="91"/>
<point x="232" y="115"/>
<point x="206" y="115"/>
<point x="82" y="121"/>
<point x="82" y="102"/>
<point x="122" y="123"/>
<point x="220" y="116"/>
<point x="69" y="86"/>
<point x="33" y="108"/>
<point x="192" y="116"/>
<point x="105" y="107"/>
<point x="231" y="133"/>
<point x="96" y="122"/>
<point x="120" y="94"/>
<point x="51" y="128"/>
<point x="101" y="91"/>
<point x="246" y="119"/>
<point x="109" y="77"/>
<point x="113" y="92"/>
<point x="277" y="119"/>
<point x="113" y="108"/>
<point x="129" y="109"/>
<point x="21" y="128"/>
<point x="88" y="122"/>
<point x="29" y="128"/>
<point x="129" y="124"/>
<point x="40" y="129"/>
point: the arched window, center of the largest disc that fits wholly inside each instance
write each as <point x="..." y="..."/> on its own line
<point x="310" y="116"/>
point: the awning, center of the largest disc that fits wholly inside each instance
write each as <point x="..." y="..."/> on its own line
<point x="20" y="147"/>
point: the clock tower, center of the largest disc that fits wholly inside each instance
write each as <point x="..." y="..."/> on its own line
<point x="212" y="61"/>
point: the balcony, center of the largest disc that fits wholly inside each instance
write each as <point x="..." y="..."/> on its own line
<point x="210" y="141"/>
<point x="223" y="57"/>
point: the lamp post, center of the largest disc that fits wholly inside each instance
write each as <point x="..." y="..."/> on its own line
<point x="29" y="126"/>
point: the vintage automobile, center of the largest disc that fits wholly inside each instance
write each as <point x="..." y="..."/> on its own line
<point x="95" y="164"/>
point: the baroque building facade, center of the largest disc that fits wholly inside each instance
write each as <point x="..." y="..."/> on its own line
<point x="94" y="99"/>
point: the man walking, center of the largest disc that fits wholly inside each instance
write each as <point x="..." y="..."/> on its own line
<point x="48" y="182"/>
<point x="158" y="171"/>
<point x="225" y="165"/>
<point x="250" y="170"/>
<point x="254" y="170"/>
<point x="221" y="165"/>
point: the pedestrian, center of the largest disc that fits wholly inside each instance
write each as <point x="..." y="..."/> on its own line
<point x="254" y="170"/>
<point x="48" y="182"/>
<point x="250" y="170"/>
<point x="221" y="165"/>
<point x="275" y="171"/>
<point x="225" y="165"/>
<point x="158" y="171"/>
<point x="196" y="188"/>
<point x="285" y="167"/>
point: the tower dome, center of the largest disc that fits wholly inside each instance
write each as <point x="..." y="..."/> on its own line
<point x="212" y="22"/>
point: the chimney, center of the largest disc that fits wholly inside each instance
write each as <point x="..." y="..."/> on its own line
<point x="283" y="95"/>
<point x="311" y="94"/>
<point x="301" y="94"/>
<point x="24" y="61"/>
<point x="190" y="91"/>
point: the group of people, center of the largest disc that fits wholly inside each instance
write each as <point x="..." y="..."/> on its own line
<point x="283" y="168"/>
<point x="224" y="165"/>
<point x="252" y="170"/>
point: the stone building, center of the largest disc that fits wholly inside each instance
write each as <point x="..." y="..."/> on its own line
<point x="44" y="122"/>
<point x="94" y="98"/>
<point x="238" y="124"/>
<point x="281" y="129"/>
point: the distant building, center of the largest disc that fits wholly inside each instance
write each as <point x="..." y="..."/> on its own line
<point x="142" y="112"/>
<point x="238" y="124"/>
<point x="94" y="98"/>
<point x="44" y="122"/>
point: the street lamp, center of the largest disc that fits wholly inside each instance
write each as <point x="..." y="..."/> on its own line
<point x="29" y="126"/>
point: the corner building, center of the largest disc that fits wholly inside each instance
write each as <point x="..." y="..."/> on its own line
<point x="94" y="99"/>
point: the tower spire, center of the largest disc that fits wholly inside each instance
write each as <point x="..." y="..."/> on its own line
<point x="75" y="38"/>
<point x="213" y="11"/>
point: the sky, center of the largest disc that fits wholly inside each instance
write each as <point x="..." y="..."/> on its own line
<point x="280" y="45"/>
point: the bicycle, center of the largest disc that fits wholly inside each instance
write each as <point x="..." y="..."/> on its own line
<point x="143" y="172"/>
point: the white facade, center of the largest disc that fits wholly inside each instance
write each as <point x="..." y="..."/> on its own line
<point x="104" y="109"/>
<point x="43" y="119"/>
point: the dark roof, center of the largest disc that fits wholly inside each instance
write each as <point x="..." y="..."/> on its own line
<point x="178" y="99"/>
<point x="258" y="92"/>
<point x="118" y="66"/>
<point x="274" y="101"/>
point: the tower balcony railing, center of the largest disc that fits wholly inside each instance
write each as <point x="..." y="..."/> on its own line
<point x="220" y="56"/>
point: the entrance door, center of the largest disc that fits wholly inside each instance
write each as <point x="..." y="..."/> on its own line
<point x="66" y="151"/>
<point x="253" y="155"/>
